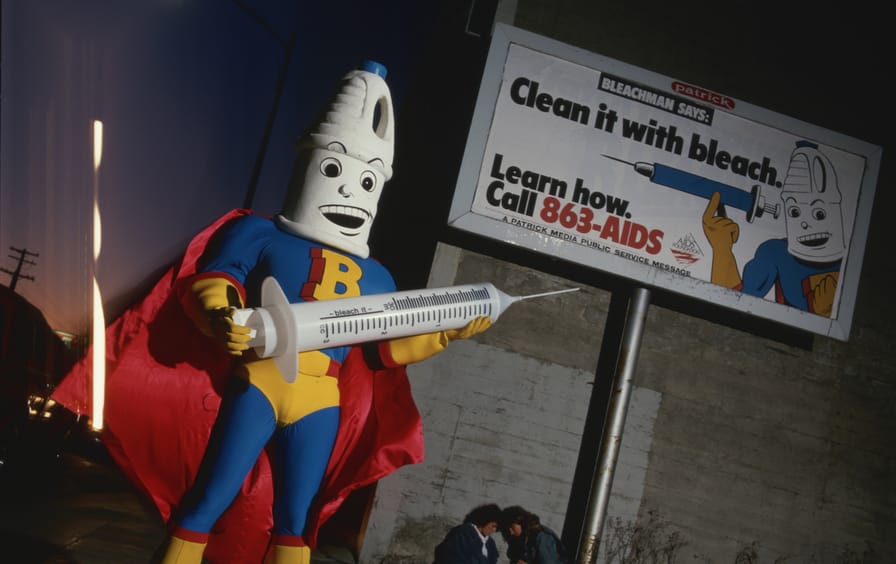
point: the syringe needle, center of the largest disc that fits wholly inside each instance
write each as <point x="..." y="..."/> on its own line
<point x="543" y="294"/>
<point x="618" y="159"/>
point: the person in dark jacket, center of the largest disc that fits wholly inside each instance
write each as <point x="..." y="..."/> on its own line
<point x="528" y="541"/>
<point x="471" y="542"/>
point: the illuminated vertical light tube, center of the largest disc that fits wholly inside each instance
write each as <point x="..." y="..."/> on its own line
<point x="99" y="320"/>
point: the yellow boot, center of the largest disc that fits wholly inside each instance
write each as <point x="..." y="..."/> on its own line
<point x="182" y="551"/>
<point x="281" y="554"/>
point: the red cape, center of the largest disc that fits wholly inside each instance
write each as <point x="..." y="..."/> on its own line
<point x="163" y="388"/>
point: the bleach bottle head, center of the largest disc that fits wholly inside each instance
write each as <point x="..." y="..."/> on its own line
<point x="343" y="163"/>
<point x="812" y="206"/>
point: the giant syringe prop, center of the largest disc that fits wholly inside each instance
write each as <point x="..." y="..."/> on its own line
<point x="280" y="330"/>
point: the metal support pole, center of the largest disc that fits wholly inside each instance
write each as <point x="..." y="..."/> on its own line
<point x="614" y="426"/>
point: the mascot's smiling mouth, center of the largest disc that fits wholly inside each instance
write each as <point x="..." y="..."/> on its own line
<point x="814" y="240"/>
<point x="349" y="217"/>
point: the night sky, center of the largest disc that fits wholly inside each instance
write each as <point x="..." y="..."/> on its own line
<point x="185" y="90"/>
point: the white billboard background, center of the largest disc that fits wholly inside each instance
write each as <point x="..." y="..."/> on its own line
<point x="558" y="170"/>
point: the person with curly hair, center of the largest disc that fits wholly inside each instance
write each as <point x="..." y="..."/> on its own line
<point x="471" y="542"/>
<point x="528" y="541"/>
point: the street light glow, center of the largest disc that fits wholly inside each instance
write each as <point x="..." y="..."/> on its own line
<point x="99" y="319"/>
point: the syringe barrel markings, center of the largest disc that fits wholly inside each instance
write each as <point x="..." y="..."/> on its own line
<point x="349" y="321"/>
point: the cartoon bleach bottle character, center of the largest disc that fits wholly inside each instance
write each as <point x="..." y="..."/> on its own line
<point x="804" y="268"/>
<point x="316" y="248"/>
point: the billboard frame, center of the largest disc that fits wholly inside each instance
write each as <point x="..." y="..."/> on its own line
<point x="463" y="217"/>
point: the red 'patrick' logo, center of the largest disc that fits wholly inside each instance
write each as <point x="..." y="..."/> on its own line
<point x="703" y="95"/>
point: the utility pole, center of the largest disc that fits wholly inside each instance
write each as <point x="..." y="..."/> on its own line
<point x="22" y="260"/>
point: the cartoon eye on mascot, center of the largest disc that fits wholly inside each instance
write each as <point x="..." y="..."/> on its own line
<point x="243" y="462"/>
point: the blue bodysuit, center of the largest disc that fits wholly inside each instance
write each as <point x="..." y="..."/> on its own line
<point x="300" y="419"/>
<point x="791" y="277"/>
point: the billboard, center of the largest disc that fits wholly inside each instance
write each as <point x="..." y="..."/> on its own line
<point x="668" y="184"/>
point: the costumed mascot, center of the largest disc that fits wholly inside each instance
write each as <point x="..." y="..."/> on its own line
<point x="245" y="463"/>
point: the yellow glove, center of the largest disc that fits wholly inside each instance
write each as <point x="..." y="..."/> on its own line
<point x="408" y="350"/>
<point x="721" y="232"/>
<point x="214" y="302"/>
<point x="823" y="292"/>
<point x="471" y="329"/>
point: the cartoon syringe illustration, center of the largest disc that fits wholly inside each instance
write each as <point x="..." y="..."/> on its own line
<point x="280" y="329"/>
<point x="753" y="203"/>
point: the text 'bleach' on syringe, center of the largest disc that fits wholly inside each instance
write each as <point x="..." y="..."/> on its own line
<point x="281" y="329"/>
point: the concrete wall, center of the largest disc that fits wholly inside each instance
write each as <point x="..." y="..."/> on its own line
<point x="503" y="414"/>
<point x="731" y="440"/>
<point x="738" y="444"/>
